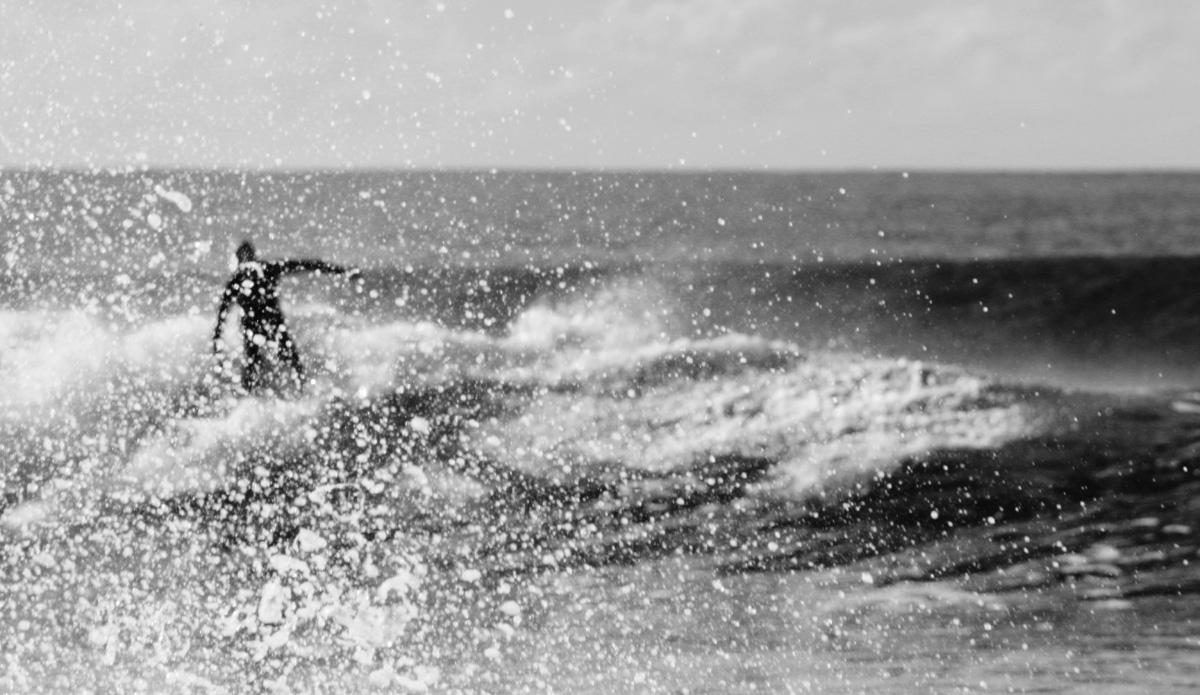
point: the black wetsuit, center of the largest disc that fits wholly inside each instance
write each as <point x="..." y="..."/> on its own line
<point x="255" y="288"/>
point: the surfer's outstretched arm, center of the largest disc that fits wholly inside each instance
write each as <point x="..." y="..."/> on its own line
<point x="303" y="265"/>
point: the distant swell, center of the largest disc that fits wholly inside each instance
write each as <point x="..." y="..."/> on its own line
<point x="1093" y="322"/>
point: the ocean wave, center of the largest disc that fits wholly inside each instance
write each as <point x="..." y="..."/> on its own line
<point x="488" y="407"/>
<point x="426" y="456"/>
<point x="597" y="379"/>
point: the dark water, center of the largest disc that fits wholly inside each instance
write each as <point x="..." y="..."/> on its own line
<point x="605" y="432"/>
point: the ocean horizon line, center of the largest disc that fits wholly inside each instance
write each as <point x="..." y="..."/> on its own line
<point x="585" y="171"/>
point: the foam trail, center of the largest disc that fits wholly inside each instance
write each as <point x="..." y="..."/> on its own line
<point x="46" y="353"/>
<point x="197" y="455"/>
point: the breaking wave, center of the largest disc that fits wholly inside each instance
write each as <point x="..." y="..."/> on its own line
<point x="279" y="533"/>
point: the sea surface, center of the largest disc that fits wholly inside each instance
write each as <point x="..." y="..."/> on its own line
<point x="604" y="432"/>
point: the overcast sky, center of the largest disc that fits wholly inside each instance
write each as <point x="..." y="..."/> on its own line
<point x="780" y="84"/>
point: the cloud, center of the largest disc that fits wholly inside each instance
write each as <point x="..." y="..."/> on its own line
<point x="605" y="83"/>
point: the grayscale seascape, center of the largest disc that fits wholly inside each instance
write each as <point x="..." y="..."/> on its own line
<point x="670" y="346"/>
<point x="775" y="441"/>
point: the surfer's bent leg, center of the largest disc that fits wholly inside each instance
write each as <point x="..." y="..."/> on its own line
<point x="253" y="368"/>
<point x="288" y="353"/>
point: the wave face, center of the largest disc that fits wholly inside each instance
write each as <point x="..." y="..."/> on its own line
<point x="1106" y="323"/>
<point x="474" y="428"/>
<point x="580" y="381"/>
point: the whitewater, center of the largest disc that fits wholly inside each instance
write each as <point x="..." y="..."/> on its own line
<point x="599" y="471"/>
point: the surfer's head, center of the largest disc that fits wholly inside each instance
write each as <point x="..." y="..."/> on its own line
<point x="245" y="252"/>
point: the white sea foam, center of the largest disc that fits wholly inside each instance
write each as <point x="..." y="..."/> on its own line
<point x="195" y="455"/>
<point x="622" y="386"/>
<point x="627" y="313"/>
<point x="380" y="359"/>
<point x="45" y="353"/>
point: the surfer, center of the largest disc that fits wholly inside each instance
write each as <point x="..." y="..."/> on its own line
<point x="254" y="288"/>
